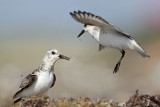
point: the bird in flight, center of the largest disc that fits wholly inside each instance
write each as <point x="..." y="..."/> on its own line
<point x="107" y="34"/>
<point x="41" y="79"/>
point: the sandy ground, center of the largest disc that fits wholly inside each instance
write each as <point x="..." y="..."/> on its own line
<point x="136" y="100"/>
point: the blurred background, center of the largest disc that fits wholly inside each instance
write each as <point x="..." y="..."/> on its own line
<point x="29" y="28"/>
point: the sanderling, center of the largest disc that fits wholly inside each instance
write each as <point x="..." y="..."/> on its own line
<point x="107" y="35"/>
<point x="41" y="79"/>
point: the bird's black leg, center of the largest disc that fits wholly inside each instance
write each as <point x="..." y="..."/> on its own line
<point x="119" y="62"/>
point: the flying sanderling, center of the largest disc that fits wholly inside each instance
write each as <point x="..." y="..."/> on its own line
<point x="107" y="35"/>
<point x="41" y="79"/>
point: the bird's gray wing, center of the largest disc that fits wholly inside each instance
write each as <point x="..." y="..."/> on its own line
<point x="124" y="34"/>
<point x="54" y="80"/>
<point x="26" y="82"/>
<point x="91" y="19"/>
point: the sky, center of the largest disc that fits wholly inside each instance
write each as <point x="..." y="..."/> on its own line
<point x="47" y="17"/>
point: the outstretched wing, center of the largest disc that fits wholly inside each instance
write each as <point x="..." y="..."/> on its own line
<point x="26" y="82"/>
<point x="54" y="80"/>
<point x="91" y="19"/>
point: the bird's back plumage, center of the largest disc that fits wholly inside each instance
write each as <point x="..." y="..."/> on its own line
<point x="26" y="82"/>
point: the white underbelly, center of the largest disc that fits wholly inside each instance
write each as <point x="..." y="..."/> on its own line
<point x="114" y="41"/>
<point x="42" y="84"/>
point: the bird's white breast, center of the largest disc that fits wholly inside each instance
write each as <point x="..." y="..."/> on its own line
<point x="44" y="82"/>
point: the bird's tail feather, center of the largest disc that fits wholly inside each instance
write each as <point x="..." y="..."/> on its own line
<point x="143" y="54"/>
<point x="17" y="100"/>
<point x="139" y="49"/>
<point x="17" y="93"/>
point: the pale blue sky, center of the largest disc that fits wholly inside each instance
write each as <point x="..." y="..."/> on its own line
<point x="53" y="15"/>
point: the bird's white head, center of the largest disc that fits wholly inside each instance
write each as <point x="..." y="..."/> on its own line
<point x="53" y="55"/>
<point x="50" y="58"/>
<point x="93" y="30"/>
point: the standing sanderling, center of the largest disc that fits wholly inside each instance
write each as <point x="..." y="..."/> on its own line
<point x="41" y="79"/>
<point x="107" y="35"/>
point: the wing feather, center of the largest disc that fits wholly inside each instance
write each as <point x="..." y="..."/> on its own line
<point x="53" y="80"/>
<point x="91" y="19"/>
<point x="26" y="82"/>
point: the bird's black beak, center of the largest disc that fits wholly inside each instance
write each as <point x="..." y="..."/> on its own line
<point x="83" y="31"/>
<point x="63" y="57"/>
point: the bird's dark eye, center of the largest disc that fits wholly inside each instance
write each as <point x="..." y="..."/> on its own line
<point x="53" y="53"/>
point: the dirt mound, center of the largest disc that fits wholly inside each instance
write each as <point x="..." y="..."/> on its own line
<point x="135" y="101"/>
<point x="143" y="101"/>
